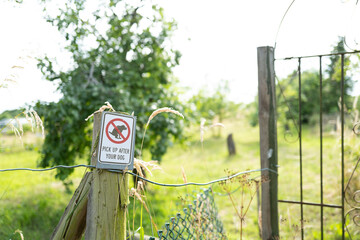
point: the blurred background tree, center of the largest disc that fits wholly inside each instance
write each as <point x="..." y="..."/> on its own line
<point x="120" y="54"/>
<point x="8" y="114"/>
<point x="310" y="89"/>
<point x="287" y="90"/>
<point x="213" y="107"/>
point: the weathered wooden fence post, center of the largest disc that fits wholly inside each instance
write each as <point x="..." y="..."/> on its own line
<point x="72" y="223"/>
<point x="268" y="142"/>
<point x="98" y="206"/>
<point x="108" y="199"/>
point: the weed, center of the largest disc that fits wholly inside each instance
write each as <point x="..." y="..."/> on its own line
<point x="156" y="112"/>
<point x="31" y="117"/>
<point x="246" y="186"/>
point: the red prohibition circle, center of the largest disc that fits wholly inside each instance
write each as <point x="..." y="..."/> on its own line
<point x="112" y="123"/>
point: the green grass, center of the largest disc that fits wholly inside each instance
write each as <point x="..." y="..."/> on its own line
<point x="206" y="164"/>
<point x="289" y="182"/>
<point x="34" y="202"/>
<point x="30" y="201"/>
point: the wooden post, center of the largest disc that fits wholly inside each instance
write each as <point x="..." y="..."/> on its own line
<point x="231" y="145"/>
<point x="108" y="199"/>
<point x="268" y="142"/>
<point x="98" y="206"/>
<point x="72" y="223"/>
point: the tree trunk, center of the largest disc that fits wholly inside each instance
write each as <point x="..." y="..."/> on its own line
<point x="231" y="145"/>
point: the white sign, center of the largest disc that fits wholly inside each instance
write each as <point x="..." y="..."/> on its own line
<point x="116" y="141"/>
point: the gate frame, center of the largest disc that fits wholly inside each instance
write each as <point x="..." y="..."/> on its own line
<point x="268" y="141"/>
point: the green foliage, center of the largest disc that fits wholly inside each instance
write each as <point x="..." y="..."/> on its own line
<point x="127" y="65"/>
<point x="309" y="96"/>
<point x="288" y="108"/>
<point x="213" y="106"/>
<point x="332" y="84"/>
<point x="287" y="90"/>
<point x="252" y="112"/>
<point x="8" y="114"/>
<point x="335" y="233"/>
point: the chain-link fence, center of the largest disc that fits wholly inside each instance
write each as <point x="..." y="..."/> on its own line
<point x="199" y="220"/>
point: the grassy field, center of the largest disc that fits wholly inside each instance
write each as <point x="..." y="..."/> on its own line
<point x="34" y="202"/>
<point x="29" y="201"/>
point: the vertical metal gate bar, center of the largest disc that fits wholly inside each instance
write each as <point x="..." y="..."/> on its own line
<point x="340" y="58"/>
<point x="321" y="153"/>
<point x="342" y="148"/>
<point x="300" y="155"/>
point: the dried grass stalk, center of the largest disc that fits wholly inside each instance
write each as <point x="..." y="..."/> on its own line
<point x="101" y="109"/>
<point x="140" y="186"/>
<point x="202" y="130"/>
<point x="156" y="112"/>
<point x="31" y="117"/>
<point x="140" y="164"/>
<point x="29" y="120"/>
<point x="20" y="126"/>
<point x="15" y="130"/>
<point x="161" y="110"/>
<point x="14" y="71"/>
<point x="38" y="121"/>
<point x="135" y="194"/>
<point x="20" y="67"/>
<point x="184" y="175"/>
<point x="20" y="233"/>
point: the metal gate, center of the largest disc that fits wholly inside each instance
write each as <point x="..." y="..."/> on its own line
<point x="345" y="206"/>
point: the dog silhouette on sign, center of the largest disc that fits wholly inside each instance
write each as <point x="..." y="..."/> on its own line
<point x="115" y="133"/>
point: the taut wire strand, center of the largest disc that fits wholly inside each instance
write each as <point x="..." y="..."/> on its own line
<point x="145" y="179"/>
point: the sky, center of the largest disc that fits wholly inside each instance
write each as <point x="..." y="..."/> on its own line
<point x="218" y="40"/>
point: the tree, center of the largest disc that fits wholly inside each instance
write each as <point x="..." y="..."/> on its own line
<point x="332" y="84"/>
<point x="7" y="114"/>
<point x="310" y="89"/>
<point x="288" y="90"/>
<point x="129" y="65"/>
<point x="213" y="106"/>
<point x="288" y="87"/>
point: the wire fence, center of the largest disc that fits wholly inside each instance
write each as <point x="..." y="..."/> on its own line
<point x="199" y="220"/>
<point x="145" y="179"/>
